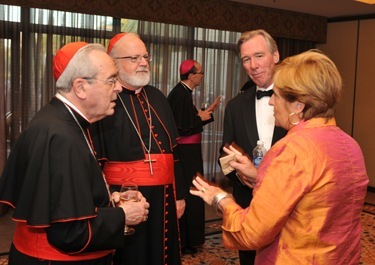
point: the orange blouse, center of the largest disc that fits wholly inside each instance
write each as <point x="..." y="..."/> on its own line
<point x="307" y="202"/>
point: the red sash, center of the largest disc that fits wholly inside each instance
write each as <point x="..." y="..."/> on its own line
<point x="191" y="139"/>
<point x="33" y="242"/>
<point x="139" y="172"/>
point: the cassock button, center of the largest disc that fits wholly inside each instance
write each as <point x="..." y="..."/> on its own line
<point x="160" y="142"/>
<point x="156" y="135"/>
<point x="163" y="151"/>
<point x="166" y="213"/>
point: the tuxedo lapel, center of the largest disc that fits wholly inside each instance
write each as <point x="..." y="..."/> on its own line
<point x="248" y="116"/>
<point x="278" y="133"/>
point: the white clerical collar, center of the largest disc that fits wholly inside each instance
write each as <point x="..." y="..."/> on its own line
<point x="186" y="85"/>
<point x="137" y="91"/>
<point x="67" y="102"/>
<point x="265" y="89"/>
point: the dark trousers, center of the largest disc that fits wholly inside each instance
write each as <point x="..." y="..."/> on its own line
<point x="192" y="221"/>
<point x="247" y="257"/>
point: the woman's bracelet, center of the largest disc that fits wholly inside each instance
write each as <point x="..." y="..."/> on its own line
<point x="218" y="197"/>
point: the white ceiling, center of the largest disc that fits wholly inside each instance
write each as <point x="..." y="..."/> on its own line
<point x="325" y="8"/>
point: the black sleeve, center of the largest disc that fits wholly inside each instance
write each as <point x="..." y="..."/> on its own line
<point x="208" y="121"/>
<point x="104" y="232"/>
<point x="228" y="137"/>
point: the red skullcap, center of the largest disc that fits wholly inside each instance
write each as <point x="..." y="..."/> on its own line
<point x="186" y="66"/>
<point x="63" y="57"/>
<point x="114" y="40"/>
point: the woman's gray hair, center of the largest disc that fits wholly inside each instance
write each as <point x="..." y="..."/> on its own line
<point x="79" y="66"/>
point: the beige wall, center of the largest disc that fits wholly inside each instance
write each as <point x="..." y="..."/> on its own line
<point x="351" y="45"/>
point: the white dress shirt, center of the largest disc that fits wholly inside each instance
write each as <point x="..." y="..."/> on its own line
<point x="265" y="119"/>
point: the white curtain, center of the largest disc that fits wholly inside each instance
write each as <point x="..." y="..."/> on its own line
<point x="216" y="51"/>
<point x="29" y="38"/>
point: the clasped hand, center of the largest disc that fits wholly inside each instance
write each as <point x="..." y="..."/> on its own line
<point x="135" y="211"/>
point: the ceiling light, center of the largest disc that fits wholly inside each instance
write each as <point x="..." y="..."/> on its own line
<point x="370" y="2"/>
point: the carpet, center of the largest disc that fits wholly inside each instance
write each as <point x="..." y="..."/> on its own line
<point x="213" y="252"/>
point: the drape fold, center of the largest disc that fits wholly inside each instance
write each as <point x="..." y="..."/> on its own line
<point x="28" y="42"/>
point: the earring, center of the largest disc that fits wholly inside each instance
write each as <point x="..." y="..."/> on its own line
<point x="291" y="118"/>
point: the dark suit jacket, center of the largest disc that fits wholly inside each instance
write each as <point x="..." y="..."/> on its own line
<point x="240" y="126"/>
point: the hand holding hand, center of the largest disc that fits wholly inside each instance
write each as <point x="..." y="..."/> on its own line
<point x="135" y="211"/>
<point x="116" y="197"/>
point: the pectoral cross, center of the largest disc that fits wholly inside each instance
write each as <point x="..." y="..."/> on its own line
<point x="149" y="160"/>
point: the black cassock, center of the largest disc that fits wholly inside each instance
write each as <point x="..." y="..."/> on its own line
<point x="56" y="187"/>
<point x="155" y="241"/>
<point x="189" y="123"/>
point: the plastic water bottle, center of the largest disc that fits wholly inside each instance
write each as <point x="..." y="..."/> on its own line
<point x="258" y="153"/>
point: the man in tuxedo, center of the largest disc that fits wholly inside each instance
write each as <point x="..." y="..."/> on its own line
<point x="248" y="117"/>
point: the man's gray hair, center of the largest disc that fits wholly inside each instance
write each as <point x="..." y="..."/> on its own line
<point x="79" y="66"/>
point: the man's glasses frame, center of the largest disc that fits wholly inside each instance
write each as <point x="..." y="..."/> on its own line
<point x="136" y="58"/>
<point x="110" y="81"/>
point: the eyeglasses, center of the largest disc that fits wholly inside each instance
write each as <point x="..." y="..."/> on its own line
<point x="137" y="58"/>
<point x="110" y="81"/>
<point x="201" y="72"/>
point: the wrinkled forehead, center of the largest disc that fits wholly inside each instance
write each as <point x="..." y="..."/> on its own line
<point x="253" y="46"/>
<point x="104" y="64"/>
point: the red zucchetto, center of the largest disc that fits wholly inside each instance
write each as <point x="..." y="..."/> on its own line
<point x="186" y="66"/>
<point x="63" y="57"/>
<point x="114" y="40"/>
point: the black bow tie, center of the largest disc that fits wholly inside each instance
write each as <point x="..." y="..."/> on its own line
<point x="261" y="93"/>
